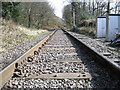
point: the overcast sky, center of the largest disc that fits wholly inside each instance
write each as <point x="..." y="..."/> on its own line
<point x="58" y="6"/>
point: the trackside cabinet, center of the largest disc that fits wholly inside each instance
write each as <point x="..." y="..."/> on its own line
<point x="101" y="27"/>
<point x="114" y="26"/>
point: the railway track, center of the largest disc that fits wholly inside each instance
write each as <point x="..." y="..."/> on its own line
<point x="100" y="46"/>
<point x="60" y="61"/>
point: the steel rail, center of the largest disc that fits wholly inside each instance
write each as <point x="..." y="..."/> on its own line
<point x="8" y="71"/>
<point x="112" y="67"/>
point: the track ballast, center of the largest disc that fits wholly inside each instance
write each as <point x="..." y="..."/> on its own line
<point x="61" y="63"/>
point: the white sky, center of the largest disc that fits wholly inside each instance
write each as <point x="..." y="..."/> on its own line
<point x="58" y="6"/>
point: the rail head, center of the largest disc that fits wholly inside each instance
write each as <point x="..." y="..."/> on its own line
<point x="103" y="60"/>
<point x="7" y="72"/>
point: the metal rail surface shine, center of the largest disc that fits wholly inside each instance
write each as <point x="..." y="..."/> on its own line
<point x="7" y="72"/>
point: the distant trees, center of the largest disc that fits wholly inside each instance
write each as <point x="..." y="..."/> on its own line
<point x="11" y="10"/>
<point x="30" y="14"/>
<point x="67" y="15"/>
<point x="75" y="12"/>
<point x="86" y="9"/>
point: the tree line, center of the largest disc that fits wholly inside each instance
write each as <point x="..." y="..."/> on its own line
<point x="30" y="14"/>
<point x="76" y="13"/>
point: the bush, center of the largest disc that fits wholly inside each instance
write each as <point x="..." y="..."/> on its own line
<point x="12" y="11"/>
<point x="87" y="23"/>
<point x="88" y="31"/>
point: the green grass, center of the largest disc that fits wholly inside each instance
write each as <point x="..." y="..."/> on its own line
<point x="31" y="36"/>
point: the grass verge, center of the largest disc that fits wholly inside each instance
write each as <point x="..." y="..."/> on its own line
<point x="12" y="34"/>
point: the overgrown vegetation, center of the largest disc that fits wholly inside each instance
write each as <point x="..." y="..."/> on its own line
<point x="78" y="19"/>
<point x="12" y="34"/>
<point x="23" y="21"/>
<point x="31" y="14"/>
<point x="88" y="31"/>
<point x="12" y="11"/>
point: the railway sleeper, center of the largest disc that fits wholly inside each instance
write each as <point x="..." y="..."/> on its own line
<point x="63" y="76"/>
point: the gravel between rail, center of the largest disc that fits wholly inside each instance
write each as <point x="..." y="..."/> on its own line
<point x="61" y="55"/>
<point x="15" y="52"/>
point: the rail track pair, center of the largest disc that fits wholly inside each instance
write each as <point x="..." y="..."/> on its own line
<point x="62" y="67"/>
